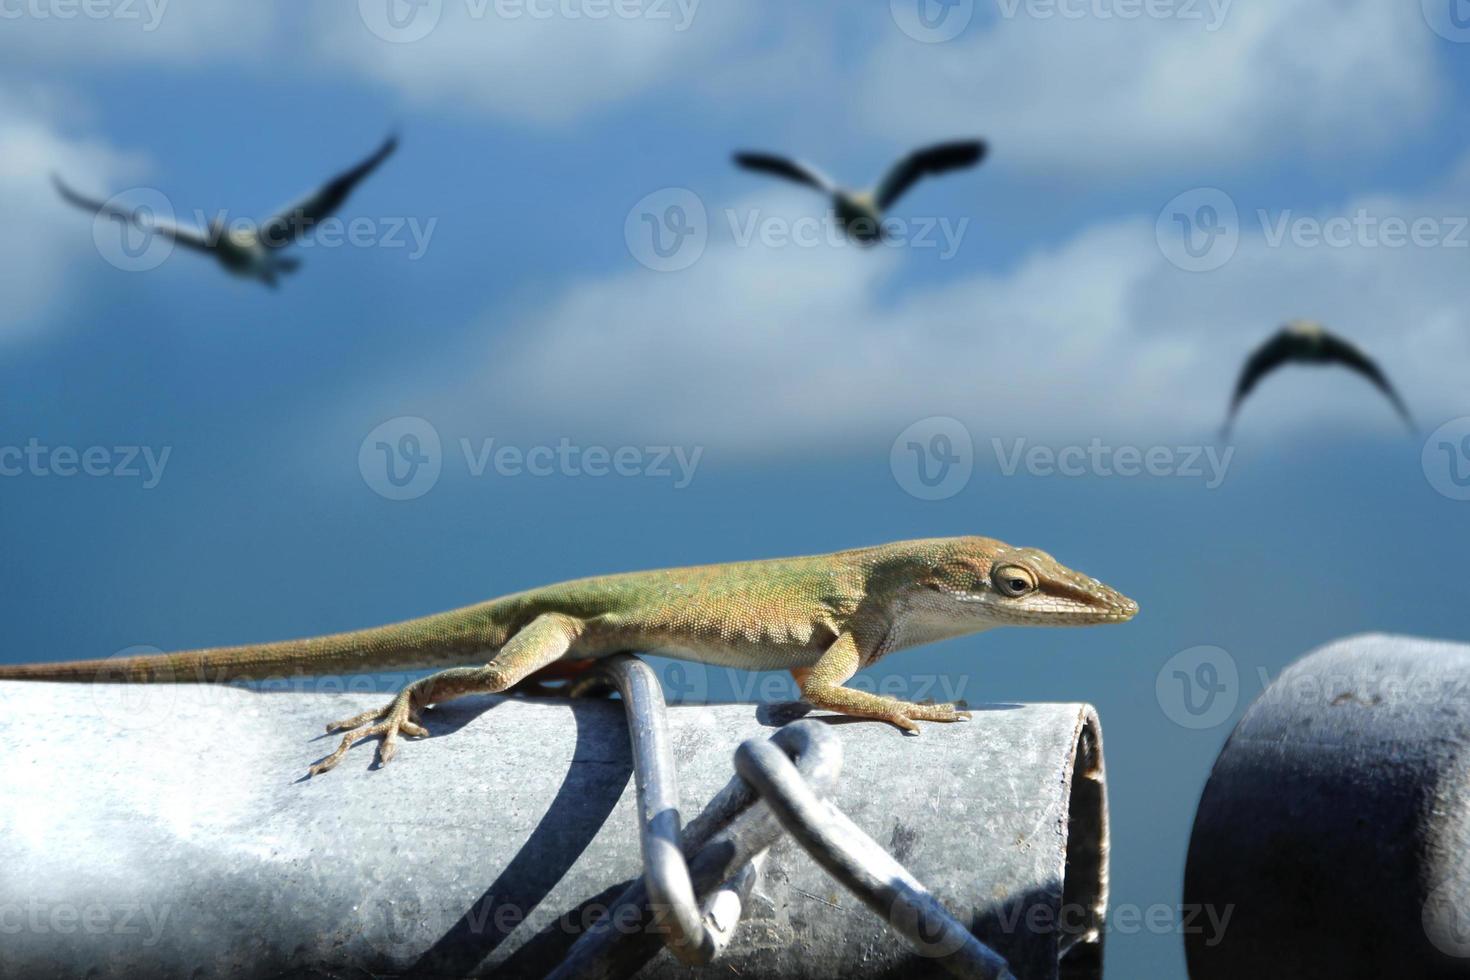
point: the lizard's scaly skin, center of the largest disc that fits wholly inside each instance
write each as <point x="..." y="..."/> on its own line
<point x="823" y="617"/>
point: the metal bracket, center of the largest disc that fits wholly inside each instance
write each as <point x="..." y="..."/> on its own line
<point x="864" y="867"/>
<point x="781" y="783"/>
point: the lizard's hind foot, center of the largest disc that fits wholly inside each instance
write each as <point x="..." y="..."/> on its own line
<point x="399" y="716"/>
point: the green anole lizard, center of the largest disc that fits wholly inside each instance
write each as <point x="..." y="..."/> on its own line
<point x="822" y="617"/>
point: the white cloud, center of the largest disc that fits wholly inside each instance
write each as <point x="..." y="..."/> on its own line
<point x="1106" y="95"/>
<point x="544" y="61"/>
<point x="762" y="350"/>
<point x="47" y="237"/>
<point x="161" y="32"/>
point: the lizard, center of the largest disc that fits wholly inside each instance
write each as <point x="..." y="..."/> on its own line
<point x="822" y="617"/>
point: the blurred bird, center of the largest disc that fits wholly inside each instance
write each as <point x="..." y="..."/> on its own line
<point x="860" y="213"/>
<point x="249" y="252"/>
<point x="1307" y="342"/>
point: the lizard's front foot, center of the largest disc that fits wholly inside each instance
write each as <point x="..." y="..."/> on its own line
<point x="399" y="716"/>
<point x="906" y="713"/>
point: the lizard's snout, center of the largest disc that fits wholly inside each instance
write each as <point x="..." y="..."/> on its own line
<point x="1116" y="607"/>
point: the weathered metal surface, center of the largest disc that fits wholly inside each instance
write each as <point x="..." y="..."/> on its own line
<point x="865" y="868"/>
<point x="793" y="772"/>
<point x="1335" y="829"/>
<point x="726" y="844"/>
<point x="165" y="831"/>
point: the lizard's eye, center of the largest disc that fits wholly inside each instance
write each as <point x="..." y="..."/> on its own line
<point x="1013" y="580"/>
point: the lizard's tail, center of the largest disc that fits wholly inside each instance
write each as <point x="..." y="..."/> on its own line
<point x="162" y="667"/>
<point x="463" y="636"/>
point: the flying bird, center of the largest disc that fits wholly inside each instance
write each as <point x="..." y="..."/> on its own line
<point x="1306" y="342"/>
<point x="860" y="213"/>
<point x="252" y="253"/>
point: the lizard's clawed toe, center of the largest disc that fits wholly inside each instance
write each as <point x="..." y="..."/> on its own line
<point x="912" y="714"/>
<point x="356" y="721"/>
<point x="904" y="723"/>
<point x="396" y="718"/>
<point x="935" y="712"/>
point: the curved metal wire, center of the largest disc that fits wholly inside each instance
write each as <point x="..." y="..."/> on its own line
<point x="865" y="868"/>
<point x="780" y="782"/>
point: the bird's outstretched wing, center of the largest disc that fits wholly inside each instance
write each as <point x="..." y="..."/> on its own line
<point x="1341" y="352"/>
<point x="1286" y="346"/>
<point x="931" y="160"/>
<point x="188" y="237"/>
<point x="802" y="173"/>
<point x="1263" y="360"/>
<point x="298" y="218"/>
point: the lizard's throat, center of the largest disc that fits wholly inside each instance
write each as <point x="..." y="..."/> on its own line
<point x="919" y="626"/>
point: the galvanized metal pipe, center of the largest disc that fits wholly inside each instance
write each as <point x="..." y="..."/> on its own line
<point x="725" y="843"/>
<point x="869" y="871"/>
<point x="166" y="831"/>
<point x="1333" y="837"/>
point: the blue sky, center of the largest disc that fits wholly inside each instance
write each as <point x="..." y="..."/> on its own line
<point x="531" y="145"/>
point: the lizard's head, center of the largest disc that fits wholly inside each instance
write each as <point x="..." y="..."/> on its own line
<point x="990" y="582"/>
